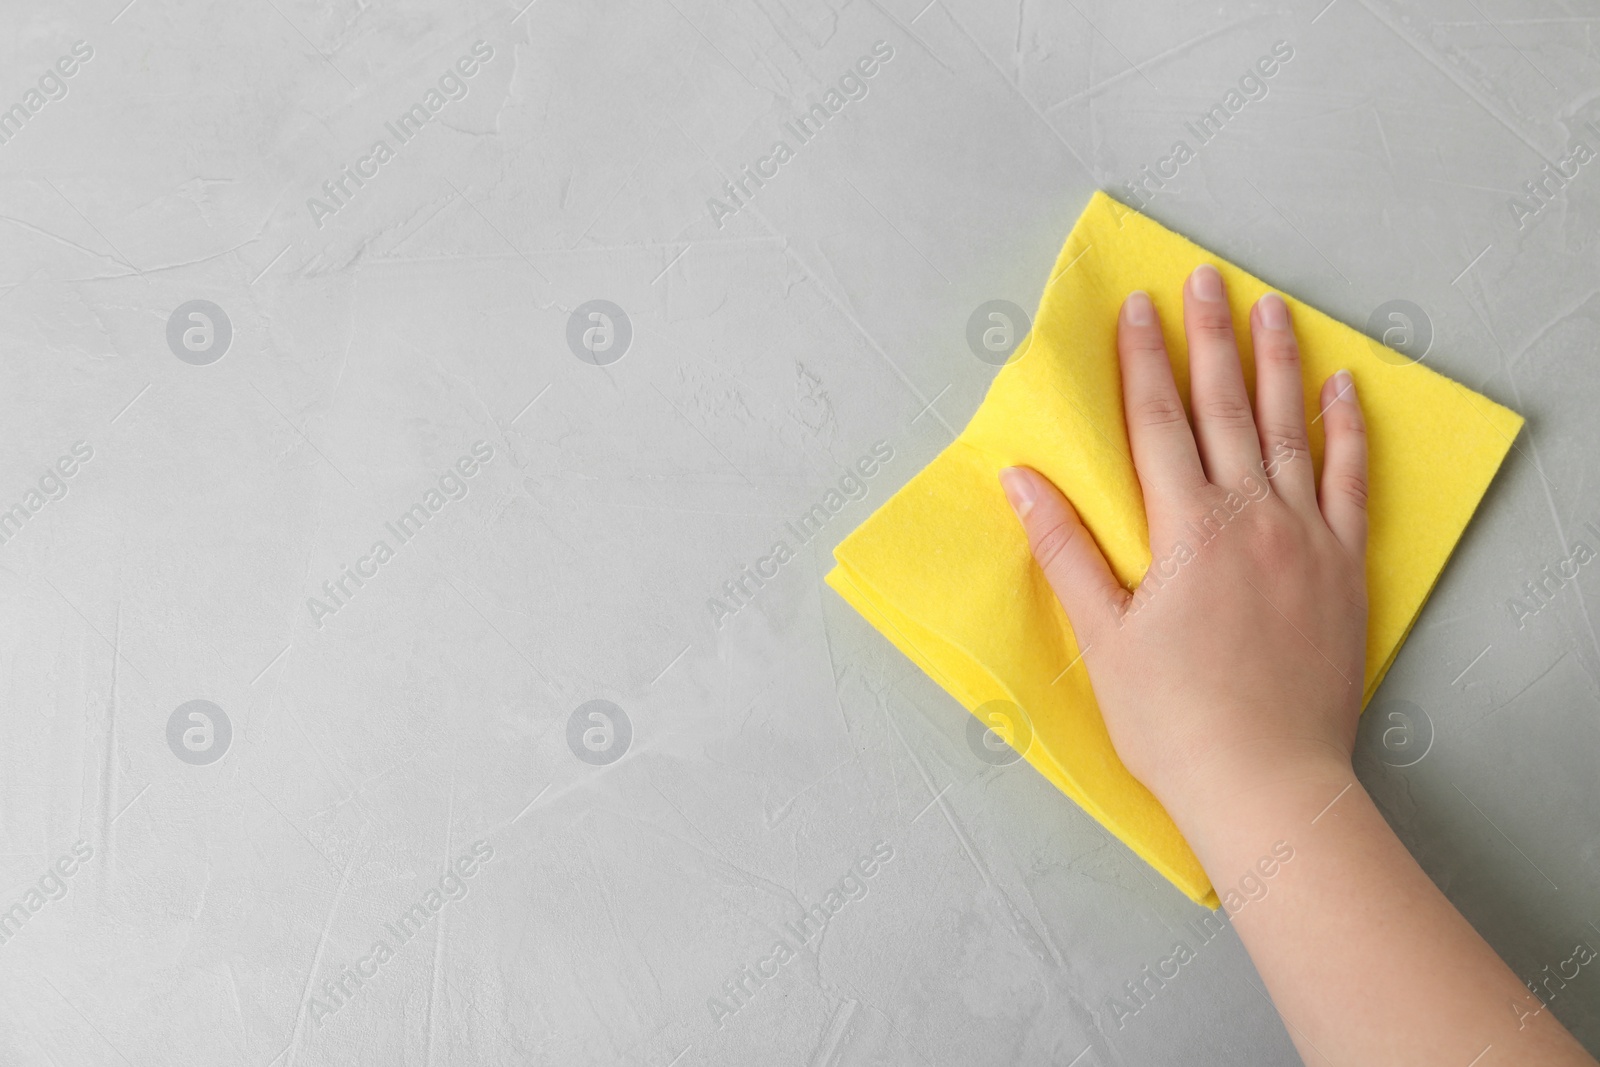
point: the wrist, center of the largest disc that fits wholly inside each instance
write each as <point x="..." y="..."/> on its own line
<point x="1246" y="820"/>
<point x="1279" y="779"/>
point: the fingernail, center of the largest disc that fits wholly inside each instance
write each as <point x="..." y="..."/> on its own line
<point x="1019" y="490"/>
<point x="1344" y="386"/>
<point x="1138" y="309"/>
<point x="1206" y="283"/>
<point x="1274" y="312"/>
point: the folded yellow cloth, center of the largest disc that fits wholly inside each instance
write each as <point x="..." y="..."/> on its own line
<point x="943" y="571"/>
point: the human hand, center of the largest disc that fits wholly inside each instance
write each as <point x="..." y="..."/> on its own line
<point x="1231" y="684"/>
<point x="1239" y="660"/>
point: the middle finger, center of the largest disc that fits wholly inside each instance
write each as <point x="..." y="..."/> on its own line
<point x="1224" y="426"/>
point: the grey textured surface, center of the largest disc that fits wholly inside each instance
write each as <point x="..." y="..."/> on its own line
<point x="377" y="339"/>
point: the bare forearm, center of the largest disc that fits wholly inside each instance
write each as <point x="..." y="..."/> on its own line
<point x="1366" y="960"/>
<point x="1234" y="694"/>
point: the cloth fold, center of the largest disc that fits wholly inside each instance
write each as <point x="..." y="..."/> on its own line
<point x="943" y="571"/>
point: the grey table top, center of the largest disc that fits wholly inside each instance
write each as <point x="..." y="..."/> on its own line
<point x="396" y="830"/>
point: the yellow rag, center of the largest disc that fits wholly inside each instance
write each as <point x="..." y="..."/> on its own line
<point x="943" y="571"/>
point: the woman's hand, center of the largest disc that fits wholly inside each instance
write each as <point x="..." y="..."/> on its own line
<point x="1231" y="683"/>
<point x="1240" y="656"/>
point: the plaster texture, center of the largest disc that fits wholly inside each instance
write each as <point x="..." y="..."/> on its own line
<point x="402" y="347"/>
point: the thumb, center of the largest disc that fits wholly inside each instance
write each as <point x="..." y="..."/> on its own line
<point x="1064" y="550"/>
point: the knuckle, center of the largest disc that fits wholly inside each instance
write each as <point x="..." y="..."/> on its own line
<point x="1345" y="418"/>
<point x="1144" y="342"/>
<point x="1284" y="446"/>
<point x="1227" y="407"/>
<point x="1276" y="544"/>
<point x="1282" y="352"/>
<point x="1215" y="509"/>
<point x="1050" y="547"/>
<point x="1352" y="486"/>
<point x="1212" y="326"/>
<point x="1159" y="409"/>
